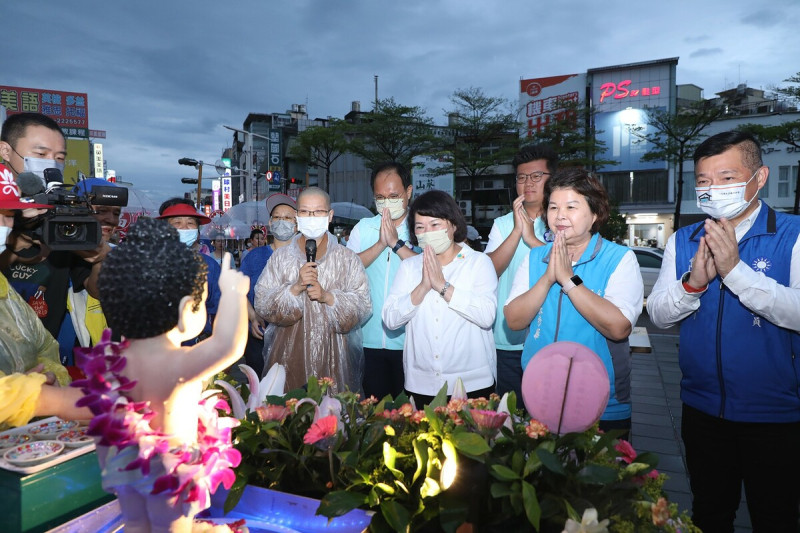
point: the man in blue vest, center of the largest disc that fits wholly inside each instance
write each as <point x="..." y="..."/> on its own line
<point x="733" y="284"/>
<point x="510" y="241"/>
<point x="381" y="242"/>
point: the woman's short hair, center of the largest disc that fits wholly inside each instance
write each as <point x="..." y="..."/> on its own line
<point x="437" y="204"/>
<point x="584" y="183"/>
<point x="144" y="279"/>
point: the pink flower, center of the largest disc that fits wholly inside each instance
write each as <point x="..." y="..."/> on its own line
<point x="322" y="429"/>
<point x="485" y="419"/>
<point x="628" y="454"/>
<point x="267" y="413"/>
<point x="536" y="429"/>
<point x="372" y="400"/>
<point x="417" y="417"/>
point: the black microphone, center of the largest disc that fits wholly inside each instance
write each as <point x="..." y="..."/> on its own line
<point x="311" y="250"/>
<point x="29" y="184"/>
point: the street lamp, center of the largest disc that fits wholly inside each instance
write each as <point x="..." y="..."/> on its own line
<point x="199" y="166"/>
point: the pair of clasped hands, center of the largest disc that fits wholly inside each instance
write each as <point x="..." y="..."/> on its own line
<point x="718" y="253"/>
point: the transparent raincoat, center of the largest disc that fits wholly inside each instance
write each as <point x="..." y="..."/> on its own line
<point x="24" y="341"/>
<point x="308" y="337"/>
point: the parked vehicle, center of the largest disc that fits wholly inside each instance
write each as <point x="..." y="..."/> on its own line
<point x="649" y="264"/>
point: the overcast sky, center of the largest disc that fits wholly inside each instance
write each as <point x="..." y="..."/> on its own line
<point x="163" y="76"/>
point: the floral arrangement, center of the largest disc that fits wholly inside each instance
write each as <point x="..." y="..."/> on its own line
<point x="191" y="474"/>
<point x="474" y="461"/>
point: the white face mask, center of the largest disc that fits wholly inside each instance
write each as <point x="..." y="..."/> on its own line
<point x="438" y="240"/>
<point x="5" y="231"/>
<point x="188" y="236"/>
<point x="312" y="227"/>
<point x="38" y="165"/>
<point x="394" y="205"/>
<point x="724" y="201"/>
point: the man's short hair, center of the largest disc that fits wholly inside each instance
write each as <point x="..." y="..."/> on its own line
<point x="15" y="126"/>
<point x="437" y="204"/>
<point x="722" y="142"/>
<point x="174" y="201"/>
<point x="402" y="171"/>
<point x="535" y="152"/>
<point x="314" y="191"/>
<point x="255" y="232"/>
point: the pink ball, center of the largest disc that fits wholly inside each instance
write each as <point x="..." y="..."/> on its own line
<point x="566" y="387"/>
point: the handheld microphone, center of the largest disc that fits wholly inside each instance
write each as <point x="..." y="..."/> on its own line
<point x="311" y="250"/>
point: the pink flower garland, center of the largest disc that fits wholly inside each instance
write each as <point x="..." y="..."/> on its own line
<point x="193" y="472"/>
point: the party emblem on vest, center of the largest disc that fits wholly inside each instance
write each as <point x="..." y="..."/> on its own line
<point x="761" y="264"/>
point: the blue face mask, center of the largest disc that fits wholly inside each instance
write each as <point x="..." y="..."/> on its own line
<point x="188" y="236"/>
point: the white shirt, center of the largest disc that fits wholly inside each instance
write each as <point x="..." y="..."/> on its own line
<point x="669" y="303"/>
<point x="444" y="341"/>
<point x="626" y="296"/>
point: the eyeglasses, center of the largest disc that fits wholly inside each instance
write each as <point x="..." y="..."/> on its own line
<point x="317" y="213"/>
<point x="390" y="197"/>
<point x="535" y="177"/>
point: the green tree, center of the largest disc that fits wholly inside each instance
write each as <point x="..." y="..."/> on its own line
<point x="485" y="132"/>
<point x="571" y="134"/>
<point x="321" y="146"/>
<point x="394" y="132"/>
<point x="674" y="138"/>
<point x="789" y="133"/>
<point x="791" y="92"/>
<point x="616" y="227"/>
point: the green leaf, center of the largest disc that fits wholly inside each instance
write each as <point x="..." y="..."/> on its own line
<point x="500" y="490"/>
<point x="532" y="509"/>
<point x="504" y="473"/>
<point x="421" y="455"/>
<point x="597" y="474"/>
<point x="396" y="515"/>
<point x="388" y="489"/>
<point x="533" y="464"/>
<point x="390" y="458"/>
<point x="441" y="398"/>
<point x="234" y="494"/>
<point x="470" y="443"/>
<point x="339" y="503"/>
<point x="429" y="488"/>
<point x="550" y="461"/>
<point x="648" y="458"/>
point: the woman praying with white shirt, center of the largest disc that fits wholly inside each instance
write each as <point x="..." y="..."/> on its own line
<point x="446" y="297"/>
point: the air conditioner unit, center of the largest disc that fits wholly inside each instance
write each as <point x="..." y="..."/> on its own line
<point x="466" y="207"/>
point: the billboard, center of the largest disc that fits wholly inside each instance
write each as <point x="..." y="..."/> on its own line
<point x="542" y="100"/>
<point x="426" y="174"/>
<point x="79" y="159"/>
<point x="620" y="95"/>
<point x="97" y="164"/>
<point x="68" y="109"/>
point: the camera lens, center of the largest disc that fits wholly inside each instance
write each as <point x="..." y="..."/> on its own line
<point x="69" y="231"/>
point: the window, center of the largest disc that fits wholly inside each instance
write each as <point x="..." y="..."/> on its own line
<point x="648" y="260"/>
<point x="785" y="177"/>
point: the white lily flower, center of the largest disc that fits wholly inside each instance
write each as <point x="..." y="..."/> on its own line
<point x="459" y="391"/>
<point x="502" y="407"/>
<point x="237" y="403"/>
<point x="272" y="384"/>
<point x="589" y="524"/>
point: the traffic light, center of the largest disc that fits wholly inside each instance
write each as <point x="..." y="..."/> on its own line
<point x="189" y="180"/>
<point x="293" y="180"/>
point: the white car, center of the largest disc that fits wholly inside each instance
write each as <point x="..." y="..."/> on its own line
<point x="649" y="264"/>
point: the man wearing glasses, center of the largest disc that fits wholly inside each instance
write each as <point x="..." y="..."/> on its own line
<point x="314" y="305"/>
<point x="382" y="243"/>
<point x="510" y="240"/>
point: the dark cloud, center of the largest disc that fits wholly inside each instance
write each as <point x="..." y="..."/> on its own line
<point x="764" y="18"/>
<point x="163" y="76"/>
<point x="704" y="52"/>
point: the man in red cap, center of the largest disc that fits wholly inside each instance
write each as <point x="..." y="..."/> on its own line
<point x="181" y="214"/>
<point x="27" y="346"/>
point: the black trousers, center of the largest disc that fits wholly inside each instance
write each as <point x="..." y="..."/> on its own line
<point x="421" y="400"/>
<point x="383" y="372"/>
<point x="721" y="455"/>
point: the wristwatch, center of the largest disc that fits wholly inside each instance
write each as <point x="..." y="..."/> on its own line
<point x="399" y="244"/>
<point x="573" y="282"/>
<point x="444" y="288"/>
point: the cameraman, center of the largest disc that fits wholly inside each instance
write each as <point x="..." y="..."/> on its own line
<point x="31" y="142"/>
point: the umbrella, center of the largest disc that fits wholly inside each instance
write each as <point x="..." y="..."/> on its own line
<point x="139" y="203"/>
<point x="350" y="211"/>
<point x="225" y="224"/>
<point x="253" y="213"/>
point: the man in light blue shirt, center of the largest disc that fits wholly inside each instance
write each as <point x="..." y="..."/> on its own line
<point x="510" y="240"/>
<point x="381" y="243"/>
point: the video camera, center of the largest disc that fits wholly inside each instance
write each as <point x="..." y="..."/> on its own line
<point x="69" y="225"/>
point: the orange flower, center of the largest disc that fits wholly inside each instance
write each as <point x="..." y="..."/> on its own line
<point x="660" y="511"/>
<point x="536" y="429"/>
